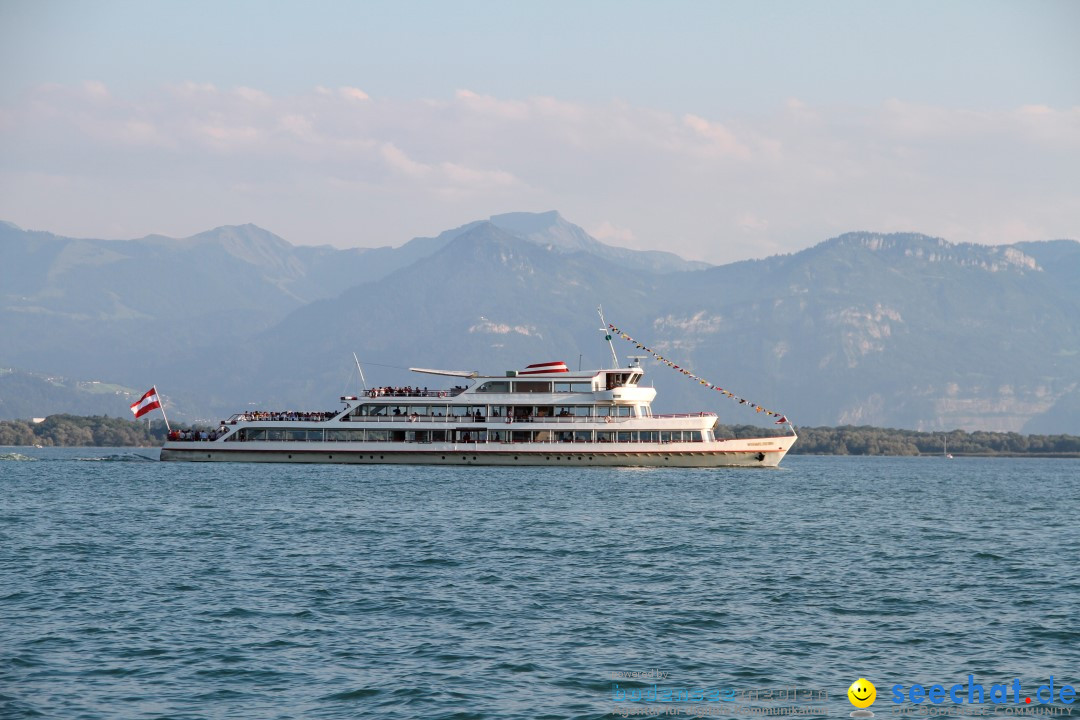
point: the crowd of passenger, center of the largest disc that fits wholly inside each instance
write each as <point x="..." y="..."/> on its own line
<point x="290" y="415"/>
<point x="204" y="435"/>
<point x="410" y="391"/>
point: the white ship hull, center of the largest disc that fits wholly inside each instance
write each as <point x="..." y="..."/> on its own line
<point x="762" y="452"/>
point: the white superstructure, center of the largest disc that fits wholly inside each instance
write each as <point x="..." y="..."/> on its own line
<point x="542" y="415"/>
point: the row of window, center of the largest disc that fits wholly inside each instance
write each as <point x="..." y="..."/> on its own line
<point x="613" y="380"/>
<point x="480" y="435"/>
<point x="534" y="386"/>
<point x="497" y="411"/>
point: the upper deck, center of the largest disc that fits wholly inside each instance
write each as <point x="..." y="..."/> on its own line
<point x="516" y="382"/>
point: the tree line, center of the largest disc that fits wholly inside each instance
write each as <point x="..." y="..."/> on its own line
<point x="105" y="431"/>
<point x="82" y="431"/>
<point x="867" y="440"/>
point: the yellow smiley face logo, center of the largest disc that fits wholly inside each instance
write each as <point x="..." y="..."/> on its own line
<point x="862" y="693"/>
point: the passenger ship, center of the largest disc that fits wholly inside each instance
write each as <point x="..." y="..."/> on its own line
<point x="542" y="415"/>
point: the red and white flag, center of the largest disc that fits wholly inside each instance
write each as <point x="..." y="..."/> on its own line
<point x="149" y="401"/>
<point x="544" y="368"/>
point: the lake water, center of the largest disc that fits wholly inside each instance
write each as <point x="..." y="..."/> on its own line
<point x="138" y="589"/>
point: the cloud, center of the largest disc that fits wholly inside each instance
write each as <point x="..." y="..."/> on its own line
<point x="316" y="165"/>
<point x="252" y="95"/>
<point x="96" y="90"/>
<point x="351" y="93"/>
<point x="399" y="162"/>
<point x="490" y="106"/>
<point x="608" y="231"/>
<point x="718" y="138"/>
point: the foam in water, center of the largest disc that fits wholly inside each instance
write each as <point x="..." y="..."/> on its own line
<point x="16" y="457"/>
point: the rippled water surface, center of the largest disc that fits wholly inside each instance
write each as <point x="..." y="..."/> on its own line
<point x="137" y="589"/>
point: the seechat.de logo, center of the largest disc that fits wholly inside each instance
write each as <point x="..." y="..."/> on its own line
<point x="976" y="694"/>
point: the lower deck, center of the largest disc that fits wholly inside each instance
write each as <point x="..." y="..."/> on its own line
<point x="762" y="452"/>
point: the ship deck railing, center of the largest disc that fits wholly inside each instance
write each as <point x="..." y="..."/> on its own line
<point x="414" y="393"/>
<point x="558" y="419"/>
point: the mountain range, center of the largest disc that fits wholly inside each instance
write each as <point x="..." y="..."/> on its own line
<point x="900" y="330"/>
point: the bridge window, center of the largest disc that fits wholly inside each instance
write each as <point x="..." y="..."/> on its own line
<point x="617" y="380"/>
<point x="495" y="386"/>
<point x="575" y="387"/>
<point x="532" y="386"/>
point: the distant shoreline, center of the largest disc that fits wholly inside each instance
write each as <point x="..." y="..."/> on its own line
<point x="963" y="456"/>
<point x="104" y="431"/>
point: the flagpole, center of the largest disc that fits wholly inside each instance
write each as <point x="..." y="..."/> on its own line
<point x="161" y="406"/>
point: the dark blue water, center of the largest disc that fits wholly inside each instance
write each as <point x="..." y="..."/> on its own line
<point x="137" y="589"/>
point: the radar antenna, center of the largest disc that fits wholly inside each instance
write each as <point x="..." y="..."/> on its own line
<point x="607" y="336"/>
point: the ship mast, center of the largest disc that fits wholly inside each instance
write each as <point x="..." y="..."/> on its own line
<point x="607" y="336"/>
<point x="361" y="371"/>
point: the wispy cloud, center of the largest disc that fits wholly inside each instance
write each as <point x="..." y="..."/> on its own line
<point x="86" y="160"/>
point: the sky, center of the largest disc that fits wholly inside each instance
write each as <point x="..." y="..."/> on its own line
<point x="718" y="130"/>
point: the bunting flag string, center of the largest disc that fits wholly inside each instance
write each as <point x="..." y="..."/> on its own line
<point x="781" y="419"/>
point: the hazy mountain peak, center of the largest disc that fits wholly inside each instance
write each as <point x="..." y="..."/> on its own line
<point x="927" y="249"/>
<point x="487" y="241"/>
<point x="550" y="229"/>
<point x="529" y="222"/>
<point x="246" y="233"/>
<point x="249" y="243"/>
<point x="547" y="228"/>
<point x="885" y="241"/>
